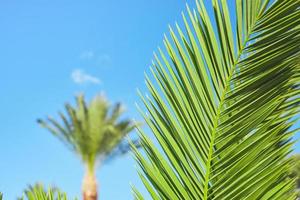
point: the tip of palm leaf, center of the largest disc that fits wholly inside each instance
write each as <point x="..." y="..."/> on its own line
<point x="39" y="121"/>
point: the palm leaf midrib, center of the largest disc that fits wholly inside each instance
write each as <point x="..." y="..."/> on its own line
<point x="221" y="104"/>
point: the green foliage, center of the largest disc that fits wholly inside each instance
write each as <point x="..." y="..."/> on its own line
<point x="94" y="131"/>
<point x="1" y="196"/>
<point x="223" y="101"/>
<point x="295" y="171"/>
<point x="37" y="192"/>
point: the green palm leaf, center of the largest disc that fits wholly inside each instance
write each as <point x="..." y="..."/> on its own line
<point x="38" y="192"/>
<point x="223" y="104"/>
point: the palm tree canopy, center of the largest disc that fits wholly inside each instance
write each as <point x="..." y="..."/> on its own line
<point x="94" y="131"/>
<point x="38" y="192"/>
<point x="222" y="105"/>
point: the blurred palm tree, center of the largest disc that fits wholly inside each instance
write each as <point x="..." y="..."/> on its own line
<point x="95" y="132"/>
<point x="38" y="192"/>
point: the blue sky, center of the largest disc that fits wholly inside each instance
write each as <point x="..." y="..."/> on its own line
<point x="52" y="50"/>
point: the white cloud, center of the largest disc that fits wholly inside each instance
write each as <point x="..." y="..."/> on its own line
<point x="80" y="77"/>
<point x="87" y="55"/>
<point x="103" y="60"/>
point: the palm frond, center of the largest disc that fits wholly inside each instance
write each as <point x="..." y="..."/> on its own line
<point x="223" y="103"/>
<point x="91" y="130"/>
<point x="38" y="192"/>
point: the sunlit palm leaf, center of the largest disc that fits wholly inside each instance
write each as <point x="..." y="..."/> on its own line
<point x="223" y="103"/>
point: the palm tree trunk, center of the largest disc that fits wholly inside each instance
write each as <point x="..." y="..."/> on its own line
<point x="89" y="186"/>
